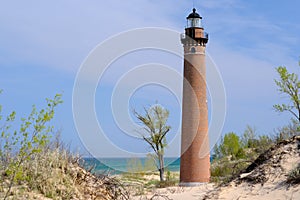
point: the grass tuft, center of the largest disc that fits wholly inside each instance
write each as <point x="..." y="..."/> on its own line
<point x="294" y="176"/>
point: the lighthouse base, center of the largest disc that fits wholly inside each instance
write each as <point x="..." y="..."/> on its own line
<point x="192" y="184"/>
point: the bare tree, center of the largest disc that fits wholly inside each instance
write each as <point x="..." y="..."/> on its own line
<point x="155" y="129"/>
<point x="289" y="85"/>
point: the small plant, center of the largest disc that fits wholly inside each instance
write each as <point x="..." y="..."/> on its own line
<point x="168" y="175"/>
<point x="287" y="131"/>
<point x="294" y="176"/>
<point x="171" y="180"/>
<point x="167" y="183"/>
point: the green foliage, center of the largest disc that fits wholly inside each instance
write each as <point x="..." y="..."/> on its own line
<point x="168" y="175"/>
<point x="223" y="170"/>
<point x="171" y="180"/>
<point x="229" y="157"/>
<point x="20" y="146"/>
<point x="249" y="137"/>
<point x="166" y="183"/>
<point x="289" y="85"/>
<point x="253" y="143"/>
<point x="294" y="176"/>
<point x="287" y="131"/>
<point x="155" y="124"/>
<point x="230" y="147"/>
<point x="234" y="154"/>
<point x="263" y="143"/>
<point x="155" y="129"/>
<point x="33" y="165"/>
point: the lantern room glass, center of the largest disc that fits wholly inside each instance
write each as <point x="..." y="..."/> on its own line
<point x="194" y="22"/>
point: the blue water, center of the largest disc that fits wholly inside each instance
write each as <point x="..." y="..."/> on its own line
<point x="120" y="165"/>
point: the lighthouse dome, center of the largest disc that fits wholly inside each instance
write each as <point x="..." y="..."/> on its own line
<point x="194" y="20"/>
<point x="194" y="14"/>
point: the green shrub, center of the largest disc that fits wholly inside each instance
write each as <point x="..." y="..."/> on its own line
<point x="18" y="147"/>
<point x="224" y="170"/>
<point x="230" y="146"/>
<point x="233" y="154"/>
<point x="286" y="132"/>
<point x="166" y="183"/>
<point x="294" y="176"/>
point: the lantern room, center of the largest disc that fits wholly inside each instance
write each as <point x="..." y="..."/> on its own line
<point x="194" y="20"/>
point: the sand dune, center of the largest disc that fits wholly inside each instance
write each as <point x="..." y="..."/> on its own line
<point x="265" y="179"/>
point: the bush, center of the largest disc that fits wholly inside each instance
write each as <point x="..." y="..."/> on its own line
<point x="224" y="170"/>
<point x="233" y="155"/>
<point x="166" y="183"/>
<point x="263" y="143"/>
<point x="18" y="148"/>
<point x="294" y="176"/>
<point x="286" y="132"/>
<point x="230" y="147"/>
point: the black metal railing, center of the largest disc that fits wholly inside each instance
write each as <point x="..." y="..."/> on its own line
<point x="183" y="36"/>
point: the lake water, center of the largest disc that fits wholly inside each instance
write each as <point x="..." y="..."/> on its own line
<point x="119" y="165"/>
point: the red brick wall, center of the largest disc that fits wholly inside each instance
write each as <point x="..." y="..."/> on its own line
<point x="195" y="159"/>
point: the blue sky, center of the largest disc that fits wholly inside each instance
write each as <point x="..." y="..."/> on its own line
<point x="44" y="43"/>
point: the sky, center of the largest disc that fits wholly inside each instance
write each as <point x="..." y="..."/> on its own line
<point x="44" y="44"/>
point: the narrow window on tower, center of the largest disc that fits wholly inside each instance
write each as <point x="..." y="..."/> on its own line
<point x="193" y="50"/>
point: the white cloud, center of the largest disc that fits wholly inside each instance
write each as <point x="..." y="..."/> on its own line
<point x="60" y="34"/>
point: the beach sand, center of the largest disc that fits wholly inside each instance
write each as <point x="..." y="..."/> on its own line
<point x="266" y="179"/>
<point x="178" y="193"/>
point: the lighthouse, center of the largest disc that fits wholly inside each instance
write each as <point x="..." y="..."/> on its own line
<point x="195" y="158"/>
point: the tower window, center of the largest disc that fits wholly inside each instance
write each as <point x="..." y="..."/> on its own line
<point x="193" y="50"/>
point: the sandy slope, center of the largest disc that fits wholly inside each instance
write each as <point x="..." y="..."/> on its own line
<point x="265" y="179"/>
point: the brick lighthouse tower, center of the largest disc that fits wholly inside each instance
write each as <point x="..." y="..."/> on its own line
<point x="195" y="158"/>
